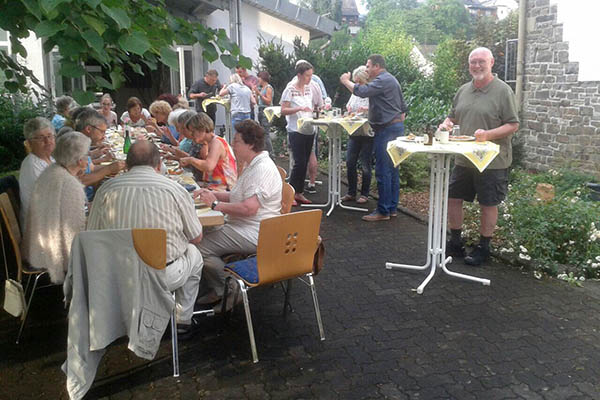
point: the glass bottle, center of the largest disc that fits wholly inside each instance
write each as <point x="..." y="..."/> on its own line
<point x="316" y="113"/>
<point x="127" y="141"/>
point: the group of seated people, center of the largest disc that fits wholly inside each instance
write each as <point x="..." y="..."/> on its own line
<point x="55" y="174"/>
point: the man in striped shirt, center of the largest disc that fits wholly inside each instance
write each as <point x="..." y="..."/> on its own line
<point x="142" y="198"/>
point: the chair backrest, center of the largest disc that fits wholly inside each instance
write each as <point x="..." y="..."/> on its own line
<point x="286" y="245"/>
<point x="10" y="185"/>
<point x="151" y="246"/>
<point x="11" y="223"/>
<point x="287" y="197"/>
<point x="282" y="172"/>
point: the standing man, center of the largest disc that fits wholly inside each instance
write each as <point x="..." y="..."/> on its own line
<point x="204" y="88"/>
<point x="143" y="198"/>
<point x="386" y="115"/>
<point x="485" y="108"/>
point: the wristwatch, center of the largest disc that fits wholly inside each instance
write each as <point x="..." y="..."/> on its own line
<point x="214" y="204"/>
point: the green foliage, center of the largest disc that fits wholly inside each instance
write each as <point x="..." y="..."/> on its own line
<point x="493" y="34"/>
<point x="427" y="107"/>
<point x="331" y="8"/>
<point x="428" y="23"/>
<point x="414" y="172"/>
<point x="108" y="33"/>
<point x="451" y="67"/>
<point x="272" y="58"/>
<point x="549" y="235"/>
<point x="15" y="109"/>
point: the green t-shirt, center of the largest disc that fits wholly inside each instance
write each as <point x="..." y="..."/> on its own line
<point x="486" y="108"/>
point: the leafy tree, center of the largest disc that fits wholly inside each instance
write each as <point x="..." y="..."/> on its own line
<point x="272" y="58"/>
<point x="493" y="34"/>
<point x="112" y="33"/>
<point x="333" y="8"/>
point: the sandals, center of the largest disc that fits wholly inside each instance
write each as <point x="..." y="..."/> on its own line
<point x="362" y="200"/>
<point x="348" y="197"/>
<point x="302" y="200"/>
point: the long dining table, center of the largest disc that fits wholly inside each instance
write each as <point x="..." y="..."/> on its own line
<point x="170" y="168"/>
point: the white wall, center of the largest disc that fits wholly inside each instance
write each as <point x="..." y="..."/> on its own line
<point x="581" y="30"/>
<point x="34" y="60"/>
<point x="253" y="22"/>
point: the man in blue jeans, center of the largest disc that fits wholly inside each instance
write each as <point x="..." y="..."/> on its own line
<point x="386" y="115"/>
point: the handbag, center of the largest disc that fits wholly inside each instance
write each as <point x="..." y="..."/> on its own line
<point x="14" y="295"/>
<point x="319" y="257"/>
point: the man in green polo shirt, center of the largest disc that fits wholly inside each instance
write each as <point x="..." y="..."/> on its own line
<point x="485" y="108"/>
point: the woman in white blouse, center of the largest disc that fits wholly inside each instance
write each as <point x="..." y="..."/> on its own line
<point x="39" y="134"/>
<point x="106" y="105"/>
<point x="359" y="144"/>
<point x="298" y="101"/>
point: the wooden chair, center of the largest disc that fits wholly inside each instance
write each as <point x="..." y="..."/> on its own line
<point x="11" y="223"/>
<point x="151" y="247"/>
<point x="282" y="172"/>
<point x="287" y="198"/>
<point x="9" y="184"/>
<point x="286" y="249"/>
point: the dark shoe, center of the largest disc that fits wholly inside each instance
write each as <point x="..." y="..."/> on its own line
<point x="375" y="216"/>
<point x="185" y="331"/>
<point x="312" y="189"/>
<point x="478" y="256"/>
<point x="455" y="250"/>
<point x="348" y="197"/>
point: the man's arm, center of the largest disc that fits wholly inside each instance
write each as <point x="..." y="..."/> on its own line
<point x="482" y="135"/>
<point x="99" y="173"/>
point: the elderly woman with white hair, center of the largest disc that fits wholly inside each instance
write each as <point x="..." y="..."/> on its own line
<point x="359" y="144"/>
<point x="242" y="99"/>
<point x="39" y="134"/>
<point x="63" y="105"/>
<point x="57" y="207"/>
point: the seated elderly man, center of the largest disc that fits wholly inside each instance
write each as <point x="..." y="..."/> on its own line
<point x="143" y="198"/>
<point x="92" y="124"/>
<point x="255" y="196"/>
<point x="39" y="133"/>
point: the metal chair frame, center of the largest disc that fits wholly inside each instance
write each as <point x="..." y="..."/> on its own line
<point x="277" y="226"/>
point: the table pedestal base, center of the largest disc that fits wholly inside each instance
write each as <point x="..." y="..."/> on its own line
<point x="334" y="197"/>
<point x="436" y="232"/>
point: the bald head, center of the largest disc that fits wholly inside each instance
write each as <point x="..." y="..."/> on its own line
<point x="481" y="51"/>
<point x="143" y="152"/>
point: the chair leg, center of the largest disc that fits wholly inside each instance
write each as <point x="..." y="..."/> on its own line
<point x="174" y="342"/>
<point x="27" y="286"/>
<point x="26" y="311"/>
<point x="244" y="291"/>
<point x="286" y="302"/>
<point x="224" y="313"/>
<point x="313" y="290"/>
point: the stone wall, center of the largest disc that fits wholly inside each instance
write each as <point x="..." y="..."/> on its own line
<point x="560" y="122"/>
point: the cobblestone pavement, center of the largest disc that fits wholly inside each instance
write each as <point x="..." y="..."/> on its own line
<point x="519" y="338"/>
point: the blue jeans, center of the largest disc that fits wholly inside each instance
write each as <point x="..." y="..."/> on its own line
<point x="388" y="179"/>
<point x="359" y="146"/>
<point x="301" y="146"/>
<point x="237" y="117"/>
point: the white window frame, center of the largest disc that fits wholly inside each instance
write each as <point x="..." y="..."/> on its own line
<point x="6" y="43"/>
<point x="180" y="76"/>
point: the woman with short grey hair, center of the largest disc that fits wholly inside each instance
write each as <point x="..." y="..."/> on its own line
<point x="39" y="140"/>
<point x="57" y="208"/>
<point x="359" y="144"/>
<point x="63" y="105"/>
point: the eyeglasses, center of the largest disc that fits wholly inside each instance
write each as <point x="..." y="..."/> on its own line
<point x="107" y="104"/>
<point x="43" y="138"/>
<point x="477" y="62"/>
<point x="101" y="130"/>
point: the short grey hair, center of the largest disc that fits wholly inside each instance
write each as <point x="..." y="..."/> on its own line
<point x="484" y="49"/>
<point x="70" y="148"/>
<point x="174" y="116"/>
<point x="360" y="73"/>
<point x="185" y="116"/>
<point x="63" y="103"/>
<point x="89" y="117"/>
<point x="34" y="125"/>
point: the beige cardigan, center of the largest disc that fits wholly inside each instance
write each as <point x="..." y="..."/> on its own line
<point x="56" y="214"/>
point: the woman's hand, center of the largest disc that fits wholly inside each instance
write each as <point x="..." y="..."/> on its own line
<point x="185" y="161"/>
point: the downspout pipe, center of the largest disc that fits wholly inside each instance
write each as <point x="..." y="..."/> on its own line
<point x="238" y="20"/>
<point x="521" y="52"/>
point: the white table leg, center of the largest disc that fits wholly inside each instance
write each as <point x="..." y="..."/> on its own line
<point x="438" y="218"/>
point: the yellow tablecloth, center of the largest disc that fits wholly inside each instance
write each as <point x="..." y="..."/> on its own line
<point x="271" y="112"/>
<point x="480" y="154"/>
<point x="224" y="101"/>
<point x="350" y="125"/>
